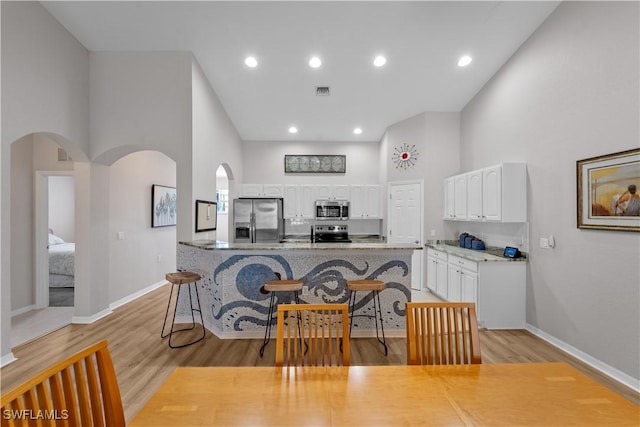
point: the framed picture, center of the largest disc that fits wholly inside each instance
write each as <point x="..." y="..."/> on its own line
<point x="609" y="191"/>
<point x="206" y="215"/>
<point x="163" y="206"/>
<point x="315" y="163"/>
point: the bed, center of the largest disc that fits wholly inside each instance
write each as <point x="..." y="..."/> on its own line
<point x="61" y="262"/>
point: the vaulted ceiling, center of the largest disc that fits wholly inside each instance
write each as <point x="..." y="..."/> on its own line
<point x="421" y="41"/>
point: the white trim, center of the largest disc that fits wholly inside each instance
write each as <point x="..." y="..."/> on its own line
<point x="85" y="320"/>
<point x="23" y="310"/>
<point x="136" y="295"/>
<point x="610" y="371"/>
<point x="6" y="359"/>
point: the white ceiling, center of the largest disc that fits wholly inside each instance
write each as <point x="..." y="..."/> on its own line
<point x="422" y="41"/>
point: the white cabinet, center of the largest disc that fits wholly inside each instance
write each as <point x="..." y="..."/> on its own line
<point x="332" y="192"/>
<point x="474" y="195"/>
<point x="498" y="288"/>
<point x="263" y="190"/>
<point x="492" y="193"/>
<point x="497" y="193"/>
<point x="307" y="201"/>
<point x="365" y="201"/>
<point x="437" y="272"/>
<point x="455" y="197"/>
<point x="460" y="197"/>
<point x="462" y="280"/>
<point x="449" y="199"/>
<point x="299" y="201"/>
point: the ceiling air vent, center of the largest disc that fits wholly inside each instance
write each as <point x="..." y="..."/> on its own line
<point x="322" y="91"/>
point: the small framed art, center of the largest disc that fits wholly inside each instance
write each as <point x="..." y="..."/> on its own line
<point x="206" y="215"/>
<point x="163" y="206"/>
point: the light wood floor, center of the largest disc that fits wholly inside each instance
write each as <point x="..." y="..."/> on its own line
<point x="143" y="361"/>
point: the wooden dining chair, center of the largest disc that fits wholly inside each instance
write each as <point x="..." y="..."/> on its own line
<point x="312" y="335"/>
<point x="81" y="390"/>
<point x="442" y="333"/>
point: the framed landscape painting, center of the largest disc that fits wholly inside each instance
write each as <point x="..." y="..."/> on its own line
<point x="163" y="206"/>
<point x="609" y="191"/>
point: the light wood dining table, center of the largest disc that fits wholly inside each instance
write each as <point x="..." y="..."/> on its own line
<point x="534" y="394"/>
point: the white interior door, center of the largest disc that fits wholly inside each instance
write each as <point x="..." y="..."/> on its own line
<point x="405" y="223"/>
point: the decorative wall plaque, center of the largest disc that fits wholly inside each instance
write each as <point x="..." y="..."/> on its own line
<point x="315" y="163"/>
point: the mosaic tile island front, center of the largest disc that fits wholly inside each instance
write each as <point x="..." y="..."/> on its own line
<point x="234" y="307"/>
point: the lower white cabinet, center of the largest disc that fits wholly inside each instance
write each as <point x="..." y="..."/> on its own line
<point x="437" y="271"/>
<point x="498" y="288"/>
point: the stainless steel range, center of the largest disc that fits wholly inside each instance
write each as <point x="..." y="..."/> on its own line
<point x="330" y="234"/>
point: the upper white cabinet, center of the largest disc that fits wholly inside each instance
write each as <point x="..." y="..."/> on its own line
<point x="299" y="201"/>
<point x="332" y="192"/>
<point x="365" y="202"/>
<point x="263" y="190"/>
<point x="449" y="199"/>
<point x="474" y="195"/>
<point x="460" y="197"/>
<point x="497" y="193"/>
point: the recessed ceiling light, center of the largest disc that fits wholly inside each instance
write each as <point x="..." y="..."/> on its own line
<point x="379" y="61"/>
<point x="315" y="62"/>
<point x="464" y="61"/>
<point x="357" y="131"/>
<point x="293" y="129"/>
<point x="251" y="62"/>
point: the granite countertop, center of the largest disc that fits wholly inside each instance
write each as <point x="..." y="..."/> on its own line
<point x="219" y="245"/>
<point x="491" y="253"/>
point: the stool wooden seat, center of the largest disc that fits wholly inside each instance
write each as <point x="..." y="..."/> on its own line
<point x="178" y="279"/>
<point x="283" y="285"/>
<point x="373" y="287"/>
<point x="273" y="287"/>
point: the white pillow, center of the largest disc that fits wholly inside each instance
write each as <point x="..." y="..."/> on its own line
<point x="55" y="240"/>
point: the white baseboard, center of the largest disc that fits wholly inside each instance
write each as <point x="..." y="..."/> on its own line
<point x="136" y="295"/>
<point x="610" y="371"/>
<point x="85" y="320"/>
<point x="23" y="310"/>
<point x="6" y="359"/>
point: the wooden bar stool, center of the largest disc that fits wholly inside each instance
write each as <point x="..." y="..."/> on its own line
<point x="274" y="287"/>
<point x="373" y="287"/>
<point x="178" y="279"/>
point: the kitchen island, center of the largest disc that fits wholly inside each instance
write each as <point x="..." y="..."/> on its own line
<point x="233" y="305"/>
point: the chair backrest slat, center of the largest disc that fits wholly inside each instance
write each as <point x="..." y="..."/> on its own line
<point x="81" y="390"/>
<point x="440" y="333"/>
<point x="312" y="335"/>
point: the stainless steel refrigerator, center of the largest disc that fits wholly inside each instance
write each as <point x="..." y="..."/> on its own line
<point x="258" y="220"/>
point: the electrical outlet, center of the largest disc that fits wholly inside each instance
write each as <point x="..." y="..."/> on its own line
<point x="159" y="258"/>
<point x="544" y="243"/>
<point x="305" y="290"/>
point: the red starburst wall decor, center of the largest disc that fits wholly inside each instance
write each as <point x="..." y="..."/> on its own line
<point x="405" y="156"/>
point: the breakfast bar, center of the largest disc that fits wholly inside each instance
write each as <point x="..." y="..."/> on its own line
<point x="233" y="274"/>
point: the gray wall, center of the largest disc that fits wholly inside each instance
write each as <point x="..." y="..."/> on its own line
<point x="569" y="93"/>
<point x="138" y="101"/>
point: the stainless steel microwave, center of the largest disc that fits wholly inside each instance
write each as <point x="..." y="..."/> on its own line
<point x="332" y="209"/>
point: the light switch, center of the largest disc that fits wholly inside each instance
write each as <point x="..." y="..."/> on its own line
<point x="544" y="243"/>
<point x="120" y="235"/>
